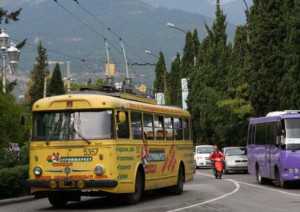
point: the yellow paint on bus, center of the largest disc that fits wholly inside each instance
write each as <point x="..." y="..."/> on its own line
<point x="135" y="140"/>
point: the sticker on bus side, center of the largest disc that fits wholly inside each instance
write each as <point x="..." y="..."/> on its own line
<point x="156" y="155"/>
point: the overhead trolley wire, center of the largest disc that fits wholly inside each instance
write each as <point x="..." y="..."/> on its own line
<point x="87" y="25"/>
<point x="82" y="60"/>
<point x="107" y="27"/>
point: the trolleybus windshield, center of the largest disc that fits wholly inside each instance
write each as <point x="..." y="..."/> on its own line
<point x="72" y="125"/>
<point x="292" y="134"/>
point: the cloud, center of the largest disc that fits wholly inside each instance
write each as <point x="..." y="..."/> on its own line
<point x="73" y="39"/>
<point x="36" y="40"/>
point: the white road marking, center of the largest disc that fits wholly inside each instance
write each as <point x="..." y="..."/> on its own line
<point x="261" y="187"/>
<point x="237" y="188"/>
<point x="269" y="189"/>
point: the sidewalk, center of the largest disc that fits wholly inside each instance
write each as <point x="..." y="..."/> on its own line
<point x="16" y="200"/>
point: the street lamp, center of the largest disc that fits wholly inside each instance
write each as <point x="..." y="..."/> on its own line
<point x="173" y="26"/>
<point x="184" y="81"/>
<point x="149" y="52"/>
<point x="9" y="52"/>
<point x="13" y="57"/>
<point x="4" y="40"/>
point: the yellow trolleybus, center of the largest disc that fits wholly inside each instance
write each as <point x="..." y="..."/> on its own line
<point x="95" y="143"/>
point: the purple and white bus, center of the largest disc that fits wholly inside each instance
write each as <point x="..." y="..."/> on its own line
<point x="274" y="147"/>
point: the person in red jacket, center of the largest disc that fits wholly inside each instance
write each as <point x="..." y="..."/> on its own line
<point x="217" y="154"/>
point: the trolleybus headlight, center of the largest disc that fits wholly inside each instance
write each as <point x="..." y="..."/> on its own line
<point x="99" y="170"/>
<point x="53" y="184"/>
<point x="37" y="171"/>
<point x="80" y="184"/>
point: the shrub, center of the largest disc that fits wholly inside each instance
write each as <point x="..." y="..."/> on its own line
<point x="10" y="159"/>
<point x="13" y="181"/>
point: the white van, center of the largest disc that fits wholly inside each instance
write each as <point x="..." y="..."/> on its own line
<point x="202" y="153"/>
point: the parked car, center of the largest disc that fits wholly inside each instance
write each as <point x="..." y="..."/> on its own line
<point x="202" y="155"/>
<point x="235" y="159"/>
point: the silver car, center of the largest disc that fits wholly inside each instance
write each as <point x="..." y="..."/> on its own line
<point x="235" y="159"/>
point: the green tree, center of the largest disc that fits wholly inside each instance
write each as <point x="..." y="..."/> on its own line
<point x="190" y="53"/>
<point x="290" y="83"/>
<point x="208" y="84"/>
<point x="267" y="34"/>
<point x="7" y="16"/>
<point x="38" y="75"/>
<point x="12" y="130"/>
<point x="159" y="84"/>
<point x="174" y="82"/>
<point x="56" y="85"/>
<point x="238" y="62"/>
<point x="89" y="84"/>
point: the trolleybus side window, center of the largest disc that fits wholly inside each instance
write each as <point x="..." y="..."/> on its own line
<point x="169" y="128"/>
<point x="178" y="129"/>
<point x="122" y="124"/>
<point x="136" y="125"/>
<point x="148" y="126"/>
<point x="186" y="129"/>
<point x="251" y="134"/>
<point x="260" y="134"/>
<point x="159" y="127"/>
<point x="272" y="133"/>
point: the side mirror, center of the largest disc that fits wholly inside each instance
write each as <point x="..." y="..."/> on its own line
<point x="121" y="117"/>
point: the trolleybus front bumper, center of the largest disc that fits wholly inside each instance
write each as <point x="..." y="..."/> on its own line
<point x="65" y="184"/>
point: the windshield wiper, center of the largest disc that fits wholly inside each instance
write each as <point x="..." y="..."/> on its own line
<point x="81" y="136"/>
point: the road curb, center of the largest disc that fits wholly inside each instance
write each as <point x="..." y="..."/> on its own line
<point x="16" y="200"/>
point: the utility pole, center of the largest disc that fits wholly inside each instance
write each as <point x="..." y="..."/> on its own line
<point x="3" y="71"/>
<point x="108" y="73"/>
<point x="68" y="77"/>
<point x="127" y="79"/>
<point x="10" y="57"/>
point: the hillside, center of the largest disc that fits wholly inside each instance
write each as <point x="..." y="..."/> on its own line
<point x="141" y="26"/>
<point x="234" y="9"/>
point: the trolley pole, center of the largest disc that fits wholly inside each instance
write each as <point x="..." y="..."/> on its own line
<point x="68" y="77"/>
<point x="127" y="80"/>
<point x="3" y="72"/>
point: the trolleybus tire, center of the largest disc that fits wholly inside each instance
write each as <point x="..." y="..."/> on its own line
<point x="279" y="181"/>
<point x="260" y="180"/>
<point x="178" y="188"/>
<point x="57" y="199"/>
<point x="135" y="197"/>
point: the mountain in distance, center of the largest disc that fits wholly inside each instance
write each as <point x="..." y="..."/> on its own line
<point x="234" y="9"/>
<point x="142" y="26"/>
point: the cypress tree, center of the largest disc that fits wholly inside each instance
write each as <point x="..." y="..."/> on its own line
<point x="208" y="83"/>
<point x="56" y="85"/>
<point x="266" y="55"/>
<point x="188" y="56"/>
<point x="174" y="82"/>
<point x="159" y="84"/>
<point x="290" y="84"/>
<point x="38" y="75"/>
<point x="237" y="75"/>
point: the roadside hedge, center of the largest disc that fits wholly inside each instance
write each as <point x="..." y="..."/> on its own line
<point x="13" y="181"/>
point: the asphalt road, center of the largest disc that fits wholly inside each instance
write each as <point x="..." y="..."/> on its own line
<point x="234" y="193"/>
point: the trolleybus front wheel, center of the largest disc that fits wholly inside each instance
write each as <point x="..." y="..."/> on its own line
<point x="260" y="180"/>
<point x="139" y="189"/>
<point x="279" y="180"/>
<point x="178" y="188"/>
<point x="57" y="199"/>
